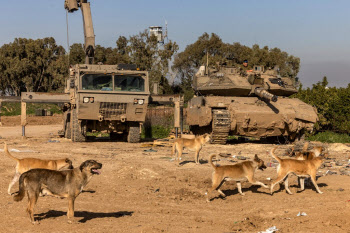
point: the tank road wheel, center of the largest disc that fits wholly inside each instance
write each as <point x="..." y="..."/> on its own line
<point x="67" y="128"/>
<point x="78" y="128"/>
<point x="134" y="134"/>
<point x="221" y="126"/>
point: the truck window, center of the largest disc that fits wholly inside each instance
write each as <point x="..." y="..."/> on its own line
<point x="129" y="83"/>
<point x="99" y="82"/>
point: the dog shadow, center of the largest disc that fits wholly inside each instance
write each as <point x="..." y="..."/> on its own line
<point x="297" y="186"/>
<point x="309" y="186"/>
<point x="85" y="215"/>
<point x="88" y="191"/>
<point x="192" y="161"/>
<point x="231" y="192"/>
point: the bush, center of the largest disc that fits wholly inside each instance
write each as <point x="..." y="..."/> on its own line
<point x="155" y="131"/>
<point x="330" y="137"/>
<point x="14" y="109"/>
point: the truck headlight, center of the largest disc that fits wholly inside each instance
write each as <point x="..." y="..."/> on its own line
<point x="140" y="102"/>
<point x="86" y="99"/>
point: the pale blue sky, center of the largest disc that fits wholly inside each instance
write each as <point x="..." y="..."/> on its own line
<point x="317" y="31"/>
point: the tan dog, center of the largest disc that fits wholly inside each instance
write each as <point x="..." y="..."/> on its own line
<point x="307" y="155"/>
<point x="302" y="168"/>
<point x="194" y="144"/>
<point x="26" y="164"/>
<point x="67" y="183"/>
<point x="236" y="172"/>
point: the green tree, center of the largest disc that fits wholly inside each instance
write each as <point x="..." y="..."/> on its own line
<point x="32" y="65"/>
<point x="76" y="54"/>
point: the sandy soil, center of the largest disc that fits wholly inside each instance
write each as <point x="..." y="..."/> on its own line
<point x="142" y="191"/>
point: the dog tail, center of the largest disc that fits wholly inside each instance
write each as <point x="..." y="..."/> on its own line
<point x="306" y="145"/>
<point x="211" y="160"/>
<point x="275" y="156"/>
<point x="20" y="195"/>
<point x="8" y="153"/>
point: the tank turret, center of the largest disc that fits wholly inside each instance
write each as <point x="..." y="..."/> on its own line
<point x="235" y="100"/>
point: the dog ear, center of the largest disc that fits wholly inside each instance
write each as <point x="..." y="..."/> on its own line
<point x="256" y="158"/>
<point x="84" y="164"/>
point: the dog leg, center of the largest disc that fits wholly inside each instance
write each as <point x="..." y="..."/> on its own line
<point x="14" y="180"/>
<point x="70" y="212"/>
<point x="286" y="185"/>
<point x="252" y="180"/>
<point x="280" y="177"/>
<point x="239" y="187"/>
<point x="32" y="199"/>
<point x="302" y="183"/>
<point x="196" y="157"/>
<point x="313" y="179"/>
<point x="179" y="154"/>
<point x="217" y="182"/>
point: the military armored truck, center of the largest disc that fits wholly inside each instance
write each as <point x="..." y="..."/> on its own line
<point x="255" y="103"/>
<point x="105" y="97"/>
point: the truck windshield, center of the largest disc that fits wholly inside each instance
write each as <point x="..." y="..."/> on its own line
<point x="129" y="83"/>
<point x="99" y="82"/>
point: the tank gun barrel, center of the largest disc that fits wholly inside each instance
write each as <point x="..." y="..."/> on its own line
<point x="262" y="93"/>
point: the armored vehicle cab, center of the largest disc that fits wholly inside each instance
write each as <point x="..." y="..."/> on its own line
<point x="106" y="97"/>
<point x="233" y="101"/>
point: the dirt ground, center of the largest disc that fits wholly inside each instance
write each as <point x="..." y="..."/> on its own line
<point x="142" y="191"/>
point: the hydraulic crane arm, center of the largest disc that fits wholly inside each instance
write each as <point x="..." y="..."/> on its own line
<point x="89" y="42"/>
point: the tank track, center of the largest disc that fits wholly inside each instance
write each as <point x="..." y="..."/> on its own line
<point x="221" y="126"/>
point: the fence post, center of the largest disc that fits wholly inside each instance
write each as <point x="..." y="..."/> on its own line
<point x="23" y="118"/>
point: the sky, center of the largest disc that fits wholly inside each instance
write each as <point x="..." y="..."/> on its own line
<point x="316" y="31"/>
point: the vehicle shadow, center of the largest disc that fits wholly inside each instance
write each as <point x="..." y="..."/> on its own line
<point x="85" y="215"/>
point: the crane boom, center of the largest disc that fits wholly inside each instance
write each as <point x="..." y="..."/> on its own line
<point x="89" y="36"/>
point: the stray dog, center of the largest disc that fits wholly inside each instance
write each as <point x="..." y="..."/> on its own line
<point x="26" y="164"/>
<point x="67" y="183"/>
<point x="195" y="143"/>
<point x="307" y="155"/>
<point x="236" y="172"/>
<point x="302" y="168"/>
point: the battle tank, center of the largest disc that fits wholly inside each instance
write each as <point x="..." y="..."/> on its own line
<point x="231" y="101"/>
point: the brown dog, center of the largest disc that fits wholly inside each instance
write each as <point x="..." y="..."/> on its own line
<point x="302" y="168"/>
<point x="26" y="164"/>
<point x="237" y="172"/>
<point x="67" y="183"/>
<point x="194" y="144"/>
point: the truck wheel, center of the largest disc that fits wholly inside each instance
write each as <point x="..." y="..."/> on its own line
<point x="78" y="128"/>
<point x="133" y="134"/>
<point x="67" y="129"/>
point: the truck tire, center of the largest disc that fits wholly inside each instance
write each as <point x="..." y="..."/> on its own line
<point x="133" y="134"/>
<point x="78" y="128"/>
<point x="67" y="129"/>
